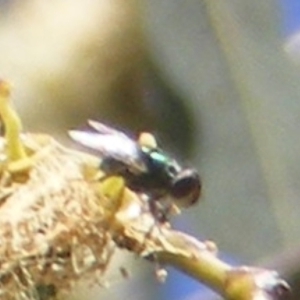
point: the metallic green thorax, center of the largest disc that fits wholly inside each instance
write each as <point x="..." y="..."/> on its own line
<point x="160" y="171"/>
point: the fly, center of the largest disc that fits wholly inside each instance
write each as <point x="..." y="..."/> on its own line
<point x="144" y="166"/>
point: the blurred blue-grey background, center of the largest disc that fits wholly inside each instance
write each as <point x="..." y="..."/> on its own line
<point x="218" y="82"/>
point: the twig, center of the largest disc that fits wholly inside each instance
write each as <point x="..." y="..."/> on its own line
<point x="59" y="225"/>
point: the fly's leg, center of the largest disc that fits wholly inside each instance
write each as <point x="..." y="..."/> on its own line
<point x="159" y="217"/>
<point x="158" y="212"/>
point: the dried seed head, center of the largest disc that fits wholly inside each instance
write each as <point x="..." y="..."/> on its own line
<point x="52" y="230"/>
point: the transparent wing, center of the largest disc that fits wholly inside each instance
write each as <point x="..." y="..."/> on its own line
<point x="145" y="138"/>
<point x="104" y="129"/>
<point x="114" y="144"/>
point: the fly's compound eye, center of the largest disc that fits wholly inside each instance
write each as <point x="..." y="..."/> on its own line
<point x="186" y="188"/>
